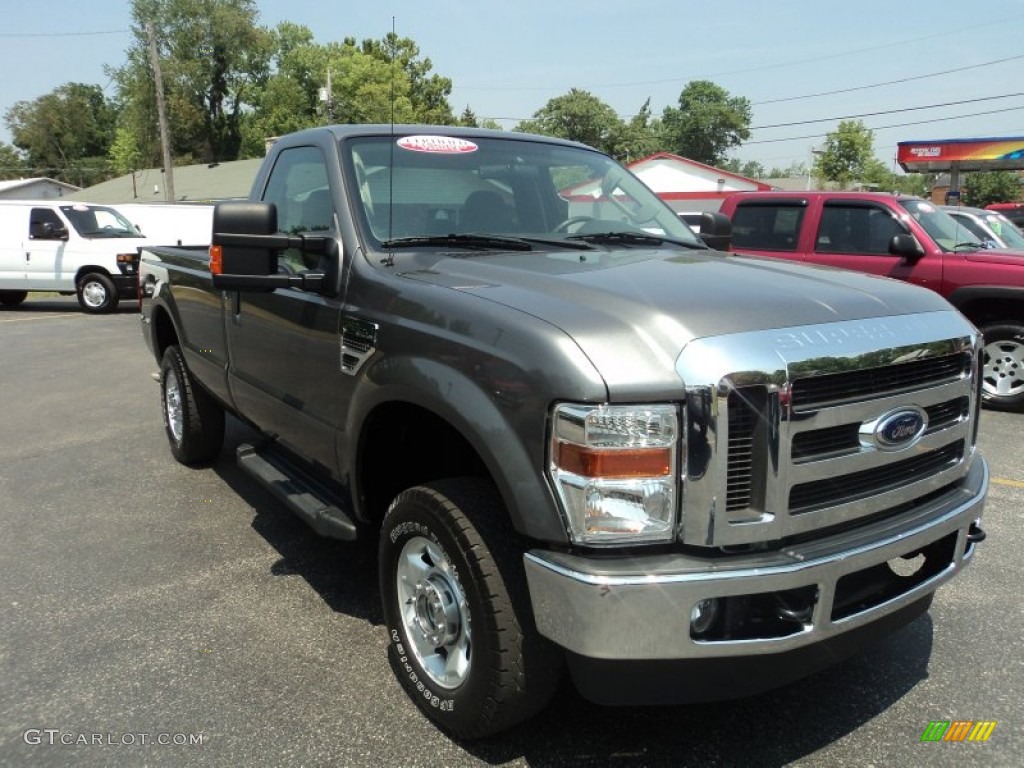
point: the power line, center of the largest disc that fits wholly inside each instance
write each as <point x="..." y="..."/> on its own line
<point x="888" y="82"/>
<point x="894" y="125"/>
<point x="958" y="31"/>
<point x="885" y="112"/>
<point x="65" y="34"/>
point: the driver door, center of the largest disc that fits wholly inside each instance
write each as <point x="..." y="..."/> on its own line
<point x="284" y="356"/>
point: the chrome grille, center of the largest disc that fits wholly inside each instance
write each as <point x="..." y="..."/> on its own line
<point x="850" y="386"/>
<point x="792" y="444"/>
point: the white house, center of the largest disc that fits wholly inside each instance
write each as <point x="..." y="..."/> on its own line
<point x="35" y="189"/>
<point x="687" y="185"/>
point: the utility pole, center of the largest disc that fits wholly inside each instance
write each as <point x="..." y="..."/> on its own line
<point x="161" y="112"/>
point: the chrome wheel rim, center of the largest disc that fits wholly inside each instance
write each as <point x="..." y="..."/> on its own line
<point x="1003" y="373"/>
<point x="172" y="404"/>
<point x="434" y="612"/>
<point x="94" y="294"/>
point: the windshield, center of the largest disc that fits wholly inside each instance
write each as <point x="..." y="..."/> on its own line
<point x="424" y="189"/>
<point x="1005" y="229"/>
<point x="94" y="221"/>
<point x="947" y="233"/>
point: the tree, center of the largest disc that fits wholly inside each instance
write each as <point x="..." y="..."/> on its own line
<point x="12" y="164"/>
<point x="847" y="155"/>
<point x="637" y="138"/>
<point x="707" y="123"/>
<point x="751" y="169"/>
<point x="577" y="116"/>
<point x="64" y="132"/>
<point x="983" y="188"/>
<point x="212" y="54"/>
<point x="375" y="81"/>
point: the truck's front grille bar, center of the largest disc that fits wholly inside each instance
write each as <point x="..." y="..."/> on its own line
<point x="850" y="386"/>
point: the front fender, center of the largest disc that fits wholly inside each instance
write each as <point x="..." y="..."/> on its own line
<point x="507" y="429"/>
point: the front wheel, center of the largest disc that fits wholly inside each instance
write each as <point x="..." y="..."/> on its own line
<point x="193" y="420"/>
<point x="461" y="636"/>
<point x="96" y="293"/>
<point x="1003" y="372"/>
<point x="12" y="298"/>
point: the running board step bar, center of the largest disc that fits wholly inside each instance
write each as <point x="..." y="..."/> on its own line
<point x="301" y="496"/>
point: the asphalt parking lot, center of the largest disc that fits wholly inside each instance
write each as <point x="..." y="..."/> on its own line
<point x="154" y="614"/>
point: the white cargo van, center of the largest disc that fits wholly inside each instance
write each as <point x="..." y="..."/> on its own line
<point x="53" y="245"/>
<point x="171" y="224"/>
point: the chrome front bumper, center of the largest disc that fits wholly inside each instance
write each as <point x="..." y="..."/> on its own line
<point x="638" y="608"/>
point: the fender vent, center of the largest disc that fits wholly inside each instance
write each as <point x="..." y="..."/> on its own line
<point x="358" y="343"/>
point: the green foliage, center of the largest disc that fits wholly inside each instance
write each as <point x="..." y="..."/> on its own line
<point x="848" y="155"/>
<point x="983" y="188"/>
<point x="62" y="132"/>
<point x="576" y="116"/>
<point x="751" y="169"/>
<point x="707" y="123"/>
<point x="12" y="164"/>
<point x="212" y="55"/>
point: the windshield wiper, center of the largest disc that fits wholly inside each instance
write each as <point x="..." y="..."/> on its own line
<point x="972" y="246"/>
<point x="471" y="241"/>
<point x="633" y="238"/>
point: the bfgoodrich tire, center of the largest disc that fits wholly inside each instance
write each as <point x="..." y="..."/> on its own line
<point x="1003" y="372"/>
<point x="461" y="636"/>
<point x="96" y="293"/>
<point x="193" y="420"/>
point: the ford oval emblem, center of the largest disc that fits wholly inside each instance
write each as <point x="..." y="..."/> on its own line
<point x="895" y="430"/>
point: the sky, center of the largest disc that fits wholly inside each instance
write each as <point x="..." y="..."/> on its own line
<point x="888" y="64"/>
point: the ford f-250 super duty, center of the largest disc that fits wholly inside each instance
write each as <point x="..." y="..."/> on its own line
<point x="581" y="438"/>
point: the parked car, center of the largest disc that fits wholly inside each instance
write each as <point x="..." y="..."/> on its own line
<point x="1013" y="211"/>
<point x="903" y="237"/>
<point x="992" y="228"/>
<point x="49" y="245"/>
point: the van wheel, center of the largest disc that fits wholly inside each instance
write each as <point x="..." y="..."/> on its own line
<point x="1003" y="371"/>
<point x="193" y="420"/>
<point x="461" y="636"/>
<point x="96" y="293"/>
<point x="12" y="298"/>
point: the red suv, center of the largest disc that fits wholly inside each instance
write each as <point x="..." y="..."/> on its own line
<point x="906" y="238"/>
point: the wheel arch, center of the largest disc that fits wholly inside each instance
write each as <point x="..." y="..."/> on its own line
<point x="984" y="305"/>
<point x="404" y="435"/>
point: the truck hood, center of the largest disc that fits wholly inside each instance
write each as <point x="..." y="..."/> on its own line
<point x="997" y="256"/>
<point x="633" y="311"/>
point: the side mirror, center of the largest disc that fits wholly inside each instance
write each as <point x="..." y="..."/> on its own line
<point x="906" y="245"/>
<point x="244" y="248"/>
<point x="716" y="230"/>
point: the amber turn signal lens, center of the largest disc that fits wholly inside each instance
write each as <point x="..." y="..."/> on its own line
<point x="611" y="464"/>
<point x="216" y="260"/>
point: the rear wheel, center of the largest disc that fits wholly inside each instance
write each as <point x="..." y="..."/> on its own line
<point x="193" y="420"/>
<point x="96" y="293"/>
<point x="1003" y="372"/>
<point x="12" y="298"/>
<point x="462" y="640"/>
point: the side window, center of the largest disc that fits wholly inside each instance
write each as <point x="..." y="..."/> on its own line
<point x="299" y="187"/>
<point x="767" y="227"/>
<point x="856" y="229"/>
<point x="37" y="221"/>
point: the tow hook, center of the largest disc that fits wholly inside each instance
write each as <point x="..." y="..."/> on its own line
<point x="975" y="535"/>
<point x="801" y="615"/>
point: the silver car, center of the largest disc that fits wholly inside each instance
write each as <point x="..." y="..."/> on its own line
<point x="991" y="227"/>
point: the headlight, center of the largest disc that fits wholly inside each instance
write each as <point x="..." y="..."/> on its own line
<point x="614" y="468"/>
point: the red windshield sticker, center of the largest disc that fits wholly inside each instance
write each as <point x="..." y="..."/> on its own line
<point x="443" y="145"/>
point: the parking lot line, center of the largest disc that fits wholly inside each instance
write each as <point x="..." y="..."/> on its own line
<point x="1004" y="481"/>
<point x="43" y="317"/>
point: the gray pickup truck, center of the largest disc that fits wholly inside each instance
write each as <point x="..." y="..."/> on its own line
<point x="582" y="439"/>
